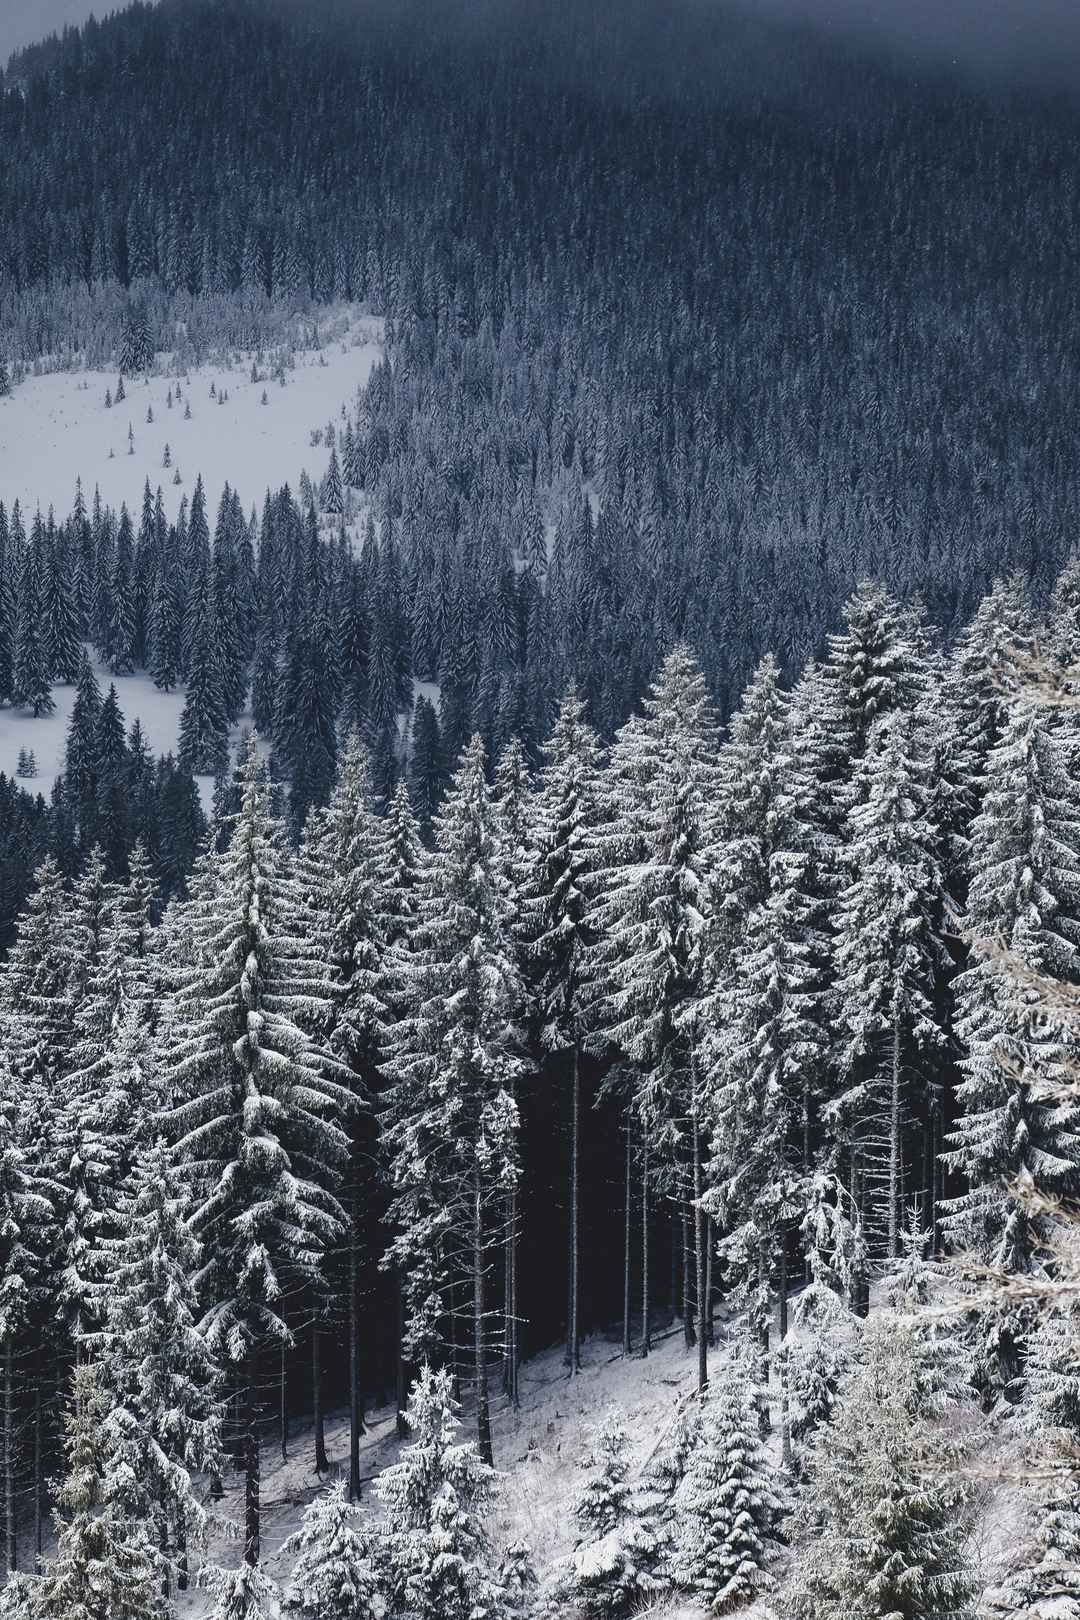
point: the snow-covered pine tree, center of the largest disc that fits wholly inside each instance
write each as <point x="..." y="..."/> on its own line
<point x="554" y="926"/>
<point x="1024" y="898"/>
<point x="60" y="630"/>
<point x="136" y="341"/>
<point x="104" y="1566"/>
<point x="256" y="1099"/>
<point x="334" y="1575"/>
<point x="727" y="1506"/>
<point x="336" y="911"/>
<point x="32" y="667"/>
<point x="437" y="1561"/>
<point x="204" y="727"/>
<point x="451" y="1061"/>
<point x="886" y="1521"/>
<point x="889" y="954"/>
<point x="34" y="982"/>
<point x="648" y="916"/>
<point x="246" y="1593"/>
<point x="29" y="1199"/>
<point x="158" y="1374"/>
<point x="603" y="1500"/>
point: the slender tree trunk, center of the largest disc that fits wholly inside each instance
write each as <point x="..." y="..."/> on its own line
<point x="894" y="1145"/>
<point x="283" y="1404"/>
<point x="181" y="1555"/>
<point x="512" y="1352"/>
<point x="38" y="1524"/>
<point x="251" y="1461"/>
<point x="646" y="1331"/>
<point x="627" y="1224"/>
<point x="483" y="1412"/>
<point x="938" y="1183"/>
<point x="9" y="1457"/>
<point x="782" y="1285"/>
<point x="322" y="1464"/>
<point x="699" y="1264"/>
<point x="710" y="1302"/>
<point x="573" y="1338"/>
<point x="673" y="1280"/>
<point x="765" y="1294"/>
<point x="401" y="1381"/>
<point x="687" y="1303"/>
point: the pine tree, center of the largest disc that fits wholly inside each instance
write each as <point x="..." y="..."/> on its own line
<point x="333" y="496"/>
<point x="554" y="924"/>
<point x="604" y="1500"/>
<point x="136" y="343"/>
<point x="103" y="1567"/>
<point x="31" y="681"/>
<point x="727" y="1507"/>
<point x="451" y="1062"/>
<point x="257" y="1099"/>
<point x="334" y="1576"/>
<point x="1024" y="898"/>
<point x="648" y="913"/>
<point x="888" y="955"/>
<point x="164" y="1419"/>
<point x="63" y="654"/>
<point x="34" y="986"/>
<point x="204" y="728"/>
<point x="889" y="1514"/>
<point x="247" y="1593"/>
<point x="435" y="1498"/>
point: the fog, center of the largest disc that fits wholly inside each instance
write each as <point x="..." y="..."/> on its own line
<point x="1018" y="42"/>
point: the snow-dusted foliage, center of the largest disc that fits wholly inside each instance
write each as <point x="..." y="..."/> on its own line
<point x="436" y="1557"/>
<point x="727" y="1506"/>
<point x="334" y="1575"/>
<point x="885" y="1522"/>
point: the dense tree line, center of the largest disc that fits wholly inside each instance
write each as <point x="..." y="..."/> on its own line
<point x="327" y="1076"/>
<point x="790" y="318"/>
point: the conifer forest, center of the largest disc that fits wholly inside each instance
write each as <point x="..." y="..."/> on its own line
<point x="540" y="929"/>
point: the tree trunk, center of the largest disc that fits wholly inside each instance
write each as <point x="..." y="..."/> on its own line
<point x="283" y="1404"/>
<point x="401" y="1382"/>
<point x="646" y="1334"/>
<point x="699" y="1265"/>
<point x="483" y="1413"/>
<point x="181" y="1555"/>
<point x="673" y="1280"/>
<point x="710" y="1302"/>
<point x="782" y="1286"/>
<point x="38" y="1524"/>
<point x="322" y="1464"/>
<point x="511" y="1301"/>
<point x="573" y="1338"/>
<point x="894" y="1145"/>
<point x="765" y="1302"/>
<point x="687" y="1306"/>
<point x="627" y="1223"/>
<point x="9" y="1458"/>
<point x="251" y="1461"/>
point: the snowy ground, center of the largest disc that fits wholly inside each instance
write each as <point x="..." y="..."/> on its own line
<point x="158" y="712"/>
<point x="539" y="1451"/>
<point x="54" y="429"/>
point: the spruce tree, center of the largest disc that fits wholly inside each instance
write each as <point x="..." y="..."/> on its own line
<point x="334" y="1576"/>
<point x="451" y="1062"/>
<point x="438" y="1560"/>
<point x="204" y="728"/>
<point x="887" y="1520"/>
<point x="888" y="955"/>
<point x="258" y="1100"/>
<point x="727" y="1506"/>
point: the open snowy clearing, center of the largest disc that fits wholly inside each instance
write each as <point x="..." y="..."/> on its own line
<point x="56" y="428"/>
<point x="158" y="713"/>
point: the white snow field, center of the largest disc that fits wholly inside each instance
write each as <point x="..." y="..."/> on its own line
<point x="56" y="428"/>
